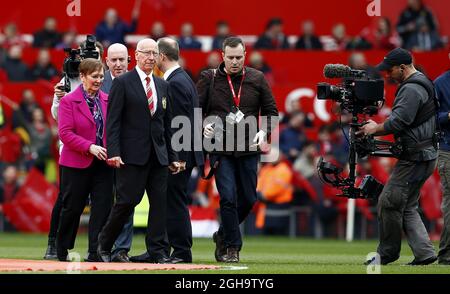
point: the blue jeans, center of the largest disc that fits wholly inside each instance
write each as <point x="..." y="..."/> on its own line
<point x="236" y="182"/>
<point x="123" y="242"/>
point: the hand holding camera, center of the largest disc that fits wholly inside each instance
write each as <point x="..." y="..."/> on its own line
<point x="369" y="128"/>
<point x="208" y="131"/>
<point x="59" y="90"/>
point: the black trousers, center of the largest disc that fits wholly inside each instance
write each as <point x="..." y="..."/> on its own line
<point x="179" y="229"/>
<point x="56" y="211"/>
<point x="132" y="181"/>
<point x="77" y="184"/>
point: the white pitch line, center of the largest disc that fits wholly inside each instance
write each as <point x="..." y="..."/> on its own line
<point x="234" y="268"/>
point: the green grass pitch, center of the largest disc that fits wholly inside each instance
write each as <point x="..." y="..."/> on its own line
<point x="260" y="255"/>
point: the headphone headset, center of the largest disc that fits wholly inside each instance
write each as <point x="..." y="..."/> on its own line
<point x="129" y="59"/>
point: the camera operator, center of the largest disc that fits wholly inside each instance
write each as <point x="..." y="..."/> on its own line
<point x="74" y="82"/>
<point x="413" y="123"/>
<point x="442" y="84"/>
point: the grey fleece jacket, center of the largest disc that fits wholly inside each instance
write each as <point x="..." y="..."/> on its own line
<point x="406" y="105"/>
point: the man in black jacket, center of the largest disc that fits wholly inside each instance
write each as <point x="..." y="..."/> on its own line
<point x="138" y="143"/>
<point x="236" y="96"/>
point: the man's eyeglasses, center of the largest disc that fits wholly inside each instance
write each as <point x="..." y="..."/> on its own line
<point x="148" y="53"/>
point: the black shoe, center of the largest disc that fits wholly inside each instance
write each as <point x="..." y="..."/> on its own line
<point x="62" y="254"/>
<point x="176" y="260"/>
<point x="427" y="261"/>
<point x="147" y="258"/>
<point x="161" y="259"/>
<point x="50" y="253"/>
<point x="144" y="258"/>
<point x="383" y="261"/>
<point x="121" y="256"/>
<point x="221" y="250"/>
<point x="232" y="255"/>
<point x="103" y="255"/>
<point x="92" y="257"/>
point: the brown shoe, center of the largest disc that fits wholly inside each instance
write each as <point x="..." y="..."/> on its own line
<point x="220" y="251"/>
<point x="232" y="255"/>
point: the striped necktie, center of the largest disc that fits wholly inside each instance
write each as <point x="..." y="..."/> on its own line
<point x="149" y="93"/>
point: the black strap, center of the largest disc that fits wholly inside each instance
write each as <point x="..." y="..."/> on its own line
<point x="214" y="164"/>
<point x="214" y="161"/>
<point x="429" y="109"/>
<point x="211" y="90"/>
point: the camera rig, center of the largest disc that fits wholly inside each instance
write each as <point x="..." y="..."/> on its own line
<point x="358" y="95"/>
<point x="74" y="57"/>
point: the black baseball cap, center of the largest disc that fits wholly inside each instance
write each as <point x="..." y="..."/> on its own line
<point x="395" y="57"/>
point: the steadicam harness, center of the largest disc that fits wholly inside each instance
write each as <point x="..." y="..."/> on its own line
<point x="427" y="111"/>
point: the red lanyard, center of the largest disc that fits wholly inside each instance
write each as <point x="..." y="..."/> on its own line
<point x="237" y="99"/>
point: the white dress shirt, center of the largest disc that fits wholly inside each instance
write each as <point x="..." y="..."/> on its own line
<point x="170" y="71"/>
<point x="143" y="76"/>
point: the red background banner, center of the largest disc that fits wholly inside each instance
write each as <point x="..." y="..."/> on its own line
<point x="31" y="209"/>
<point x="245" y="17"/>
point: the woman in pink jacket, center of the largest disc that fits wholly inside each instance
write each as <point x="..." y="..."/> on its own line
<point x="81" y="126"/>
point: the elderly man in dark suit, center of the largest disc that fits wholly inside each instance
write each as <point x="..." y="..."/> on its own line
<point x="138" y="143"/>
<point x="184" y="102"/>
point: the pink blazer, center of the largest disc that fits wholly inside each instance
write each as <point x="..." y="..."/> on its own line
<point x="76" y="128"/>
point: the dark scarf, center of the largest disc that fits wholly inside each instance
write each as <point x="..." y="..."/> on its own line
<point x="96" y="111"/>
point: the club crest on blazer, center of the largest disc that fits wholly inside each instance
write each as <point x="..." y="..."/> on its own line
<point x="164" y="103"/>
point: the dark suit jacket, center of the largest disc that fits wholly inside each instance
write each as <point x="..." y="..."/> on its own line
<point x="131" y="131"/>
<point x="107" y="82"/>
<point x="184" y="99"/>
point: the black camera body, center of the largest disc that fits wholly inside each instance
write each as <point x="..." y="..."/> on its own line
<point x="360" y="95"/>
<point x="73" y="60"/>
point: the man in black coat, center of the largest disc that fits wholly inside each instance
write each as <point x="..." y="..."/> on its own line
<point x="237" y="96"/>
<point x="184" y="102"/>
<point x="138" y="143"/>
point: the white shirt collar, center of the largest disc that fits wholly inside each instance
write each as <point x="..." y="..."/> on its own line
<point x="142" y="74"/>
<point x="170" y="71"/>
<point x="113" y="77"/>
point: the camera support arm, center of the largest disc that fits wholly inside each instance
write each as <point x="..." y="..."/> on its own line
<point x="359" y="146"/>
